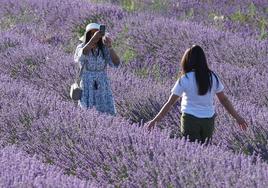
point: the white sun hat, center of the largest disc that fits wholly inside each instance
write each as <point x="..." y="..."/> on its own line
<point x="88" y="28"/>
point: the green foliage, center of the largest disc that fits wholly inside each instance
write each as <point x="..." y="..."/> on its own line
<point x="142" y="72"/>
<point x="14" y="71"/>
<point x="252" y="10"/>
<point x="71" y="45"/>
<point x="266" y="100"/>
<point x="121" y="45"/>
<point x="94" y="174"/>
<point x="31" y="65"/>
<point x="212" y="15"/>
<point x="26" y="120"/>
<point x="263" y="25"/>
<point x="252" y="17"/>
<point x="27" y="66"/>
<point x="8" y="44"/>
<point x="156" y="72"/>
<point x="190" y="13"/>
<point x="146" y="72"/>
<point x="129" y="55"/>
<point x="123" y="173"/>
<point x="9" y="20"/>
<point x="159" y="5"/>
<point x="13" y="138"/>
<point x="50" y="161"/>
<point x="106" y="168"/>
<point x="122" y="35"/>
<point x="239" y="17"/>
<point x="129" y="5"/>
<point x="170" y="186"/>
<point x="71" y="171"/>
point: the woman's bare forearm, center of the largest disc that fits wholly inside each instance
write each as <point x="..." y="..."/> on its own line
<point x="167" y="106"/>
<point x="114" y="56"/>
<point x="88" y="47"/>
<point x="229" y="107"/>
<point x="164" y="110"/>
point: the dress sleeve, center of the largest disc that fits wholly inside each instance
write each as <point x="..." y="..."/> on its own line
<point x="78" y="55"/>
<point x="178" y="88"/>
<point x="108" y="58"/>
<point x="219" y="87"/>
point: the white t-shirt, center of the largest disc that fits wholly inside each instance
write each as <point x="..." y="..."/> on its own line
<point x="201" y="106"/>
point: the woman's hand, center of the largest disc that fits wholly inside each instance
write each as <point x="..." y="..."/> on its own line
<point x="151" y="125"/>
<point x="97" y="36"/>
<point x="242" y="123"/>
<point x="164" y="110"/>
<point x="229" y="107"/>
<point x="92" y="43"/>
<point x="107" y="41"/>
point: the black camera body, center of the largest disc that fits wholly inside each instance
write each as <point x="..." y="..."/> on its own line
<point x="102" y="29"/>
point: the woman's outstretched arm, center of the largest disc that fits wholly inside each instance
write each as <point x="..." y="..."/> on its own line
<point x="229" y="107"/>
<point x="164" y="110"/>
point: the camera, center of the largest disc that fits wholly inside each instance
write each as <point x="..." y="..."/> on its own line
<point x="102" y="29"/>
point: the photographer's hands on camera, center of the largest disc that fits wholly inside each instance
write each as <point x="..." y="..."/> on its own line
<point x="106" y="39"/>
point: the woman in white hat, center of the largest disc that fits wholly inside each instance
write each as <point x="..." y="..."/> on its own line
<point x="94" y="54"/>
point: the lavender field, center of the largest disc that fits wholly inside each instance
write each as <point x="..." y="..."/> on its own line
<point x="47" y="140"/>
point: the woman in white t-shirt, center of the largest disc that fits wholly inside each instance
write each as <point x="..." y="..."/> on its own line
<point x="197" y="87"/>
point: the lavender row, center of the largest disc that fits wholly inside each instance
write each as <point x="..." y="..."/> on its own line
<point x="109" y="150"/>
<point x="46" y="66"/>
<point x="138" y="102"/>
<point x="55" y="73"/>
<point x="114" y="17"/>
<point x="220" y="46"/>
<point x="18" y="169"/>
<point x="95" y="146"/>
<point x="32" y="109"/>
<point x="245" y="60"/>
<point x="246" y="18"/>
<point x="58" y="23"/>
<point x="43" y="65"/>
<point x="163" y="41"/>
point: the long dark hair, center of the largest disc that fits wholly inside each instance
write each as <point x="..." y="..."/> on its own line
<point x="99" y="44"/>
<point x="195" y="60"/>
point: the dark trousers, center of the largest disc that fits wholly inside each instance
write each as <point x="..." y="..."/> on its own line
<point x="200" y="129"/>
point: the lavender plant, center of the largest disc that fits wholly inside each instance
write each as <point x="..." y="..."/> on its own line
<point x="20" y="170"/>
<point x="107" y="149"/>
<point x="36" y="45"/>
<point x="241" y="17"/>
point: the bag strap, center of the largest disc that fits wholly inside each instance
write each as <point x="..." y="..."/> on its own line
<point x="78" y="78"/>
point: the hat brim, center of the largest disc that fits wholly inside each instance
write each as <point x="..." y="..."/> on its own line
<point x="94" y="26"/>
<point x="82" y="38"/>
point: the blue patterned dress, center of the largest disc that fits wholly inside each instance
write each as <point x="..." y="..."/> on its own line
<point x="94" y="80"/>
